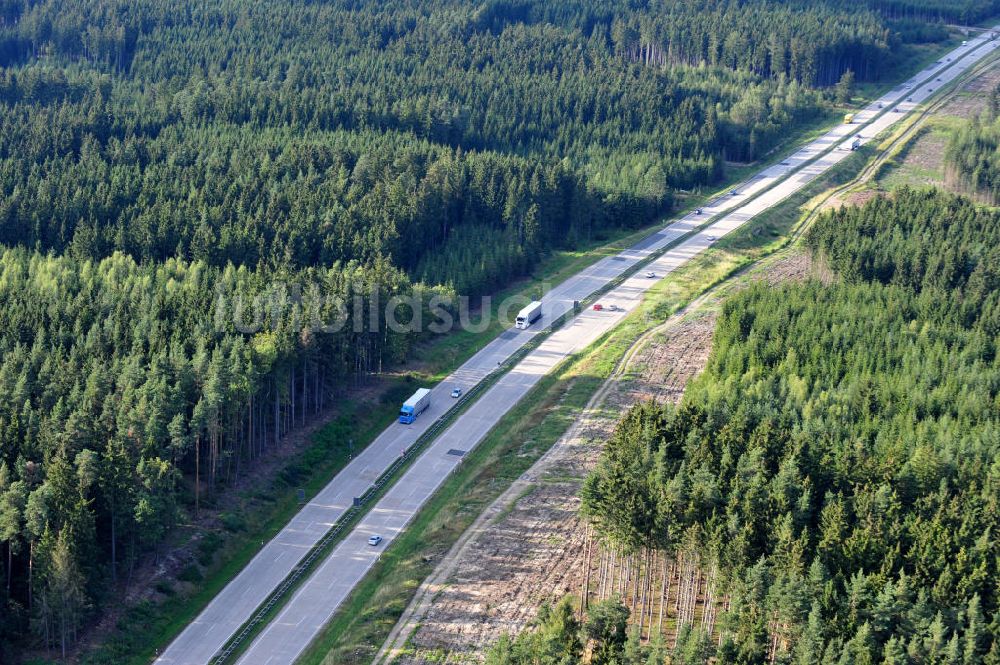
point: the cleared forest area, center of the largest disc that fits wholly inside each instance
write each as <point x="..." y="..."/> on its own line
<point x="531" y="546"/>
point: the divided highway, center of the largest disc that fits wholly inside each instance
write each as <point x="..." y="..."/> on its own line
<point x="311" y="607"/>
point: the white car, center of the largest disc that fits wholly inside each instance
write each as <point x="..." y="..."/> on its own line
<point x="374" y="540"/>
<point x="651" y="274"/>
<point x="456" y="392"/>
<point x="712" y="238"/>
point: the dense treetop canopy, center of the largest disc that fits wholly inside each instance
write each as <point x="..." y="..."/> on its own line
<point x="838" y="456"/>
<point x="156" y="156"/>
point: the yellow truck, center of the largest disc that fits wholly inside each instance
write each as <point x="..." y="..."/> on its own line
<point x="849" y="119"/>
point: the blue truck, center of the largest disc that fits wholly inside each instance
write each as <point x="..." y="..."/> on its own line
<point x="414" y="406"/>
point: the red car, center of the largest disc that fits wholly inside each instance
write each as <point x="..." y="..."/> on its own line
<point x="598" y="307"/>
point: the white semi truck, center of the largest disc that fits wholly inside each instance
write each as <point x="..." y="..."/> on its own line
<point x="529" y="315"/>
<point x="414" y="406"/>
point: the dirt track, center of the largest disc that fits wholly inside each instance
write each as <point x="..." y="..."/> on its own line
<point x="530" y="545"/>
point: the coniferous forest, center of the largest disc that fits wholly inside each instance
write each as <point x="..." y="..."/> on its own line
<point x="161" y="161"/>
<point x="837" y="459"/>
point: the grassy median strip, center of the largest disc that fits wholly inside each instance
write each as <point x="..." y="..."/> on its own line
<point x="283" y="593"/>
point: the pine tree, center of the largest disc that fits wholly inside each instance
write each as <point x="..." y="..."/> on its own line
<point x="13" y="499"/>
<point x="64" y="593"/>
<point x="605" y="627"/>
<point x="845" y="87"/>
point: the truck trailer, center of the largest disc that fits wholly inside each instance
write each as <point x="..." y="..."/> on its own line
<point x="414" y="406"/>
<point x="529" y="315"/>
